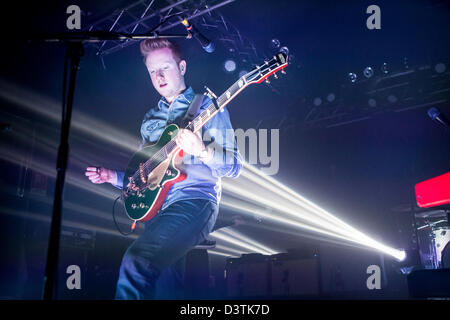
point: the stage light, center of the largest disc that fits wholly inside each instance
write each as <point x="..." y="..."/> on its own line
<point x="38" y="216"/>
<point x="352" y="77"/>
<point x="223" y="248"/>
<point x="246" y="239"/>
<point x="384" y="68"/>
<point x="331" y="96"/>
<point x="405" y="63"/>
<point x="303" y="213"/>
<point x="440" y="67"/>
<point x="372" y="102"/>
<point x="51" y="109"/>
<point x="310" y="209"/>
<point x="360" y="240"/>
<point x="272" y="185"/>
<point x="222" y="254"/>
<point x="229" y="65"/>
<point x="392" y="98"/>
<point x="410" y="260"/>
<point x="368" y="72"/>
<point x="324" y="222"/>
<point x="221" y="236"/>
<point x="275" y="44"/>
<point x="286" y="221"/>
<point x="77" y="180"/>
<point x="317" y="101"/>
<point x="402" y="255"/>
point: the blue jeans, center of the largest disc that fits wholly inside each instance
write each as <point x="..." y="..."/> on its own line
<point x="153" y="266"/>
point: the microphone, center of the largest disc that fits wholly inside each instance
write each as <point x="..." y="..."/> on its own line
<point x="437" y="116"/>
<point x="206" y="44"/>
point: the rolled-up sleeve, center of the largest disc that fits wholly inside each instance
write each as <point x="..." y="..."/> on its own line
<point x="218" y="134"/>
<point x="120" y="175"/>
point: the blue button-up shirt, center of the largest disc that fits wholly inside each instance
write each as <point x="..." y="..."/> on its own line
<point x="203" y="180"/>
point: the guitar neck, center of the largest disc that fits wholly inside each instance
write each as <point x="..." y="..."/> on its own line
<point x="198" y="122"/>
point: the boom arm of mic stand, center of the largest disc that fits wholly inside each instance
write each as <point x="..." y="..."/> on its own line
<point x="100" y="36"/>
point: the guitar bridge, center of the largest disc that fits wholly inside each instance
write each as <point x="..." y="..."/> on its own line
<point x="154" y="186"/>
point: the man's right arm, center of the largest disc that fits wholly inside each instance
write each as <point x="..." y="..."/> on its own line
<point x="99" y="175"/>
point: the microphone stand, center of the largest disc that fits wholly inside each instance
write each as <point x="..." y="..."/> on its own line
<point x="74" y="52"/>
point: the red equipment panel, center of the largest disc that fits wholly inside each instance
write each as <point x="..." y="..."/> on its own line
<point x="433" y="192"/>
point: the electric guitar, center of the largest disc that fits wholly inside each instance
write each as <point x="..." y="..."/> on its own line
<point x="153" y="170"/>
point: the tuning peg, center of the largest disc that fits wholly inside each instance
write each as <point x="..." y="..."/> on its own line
<point x="267" y="81"/>
<point x="283" y="72"/>
<point x="275" y="76"/>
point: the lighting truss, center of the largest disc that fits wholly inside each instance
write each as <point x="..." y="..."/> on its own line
<point x="143" y="16"/>
<point x="418" y="87"/>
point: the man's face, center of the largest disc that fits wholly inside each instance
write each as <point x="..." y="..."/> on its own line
<point x="167" y="75"/>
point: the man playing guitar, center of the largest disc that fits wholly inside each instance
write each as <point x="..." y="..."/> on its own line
<point x="190" y="209"/>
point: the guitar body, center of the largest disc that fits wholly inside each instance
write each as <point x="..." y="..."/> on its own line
<point x="147" y="194"/>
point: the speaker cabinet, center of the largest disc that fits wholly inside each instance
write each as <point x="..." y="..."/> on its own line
<point x="429" y="283"/>
<point x="294" y="276"/>
<point x="76" y="245"/>
<point x="247" y="276"/>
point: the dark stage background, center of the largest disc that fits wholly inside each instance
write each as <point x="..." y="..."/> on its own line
<point x="357" y="159"/>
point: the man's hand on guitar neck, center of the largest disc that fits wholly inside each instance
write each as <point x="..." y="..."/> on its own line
<point x="99" y="175"/>
<point x="191" y="143"/>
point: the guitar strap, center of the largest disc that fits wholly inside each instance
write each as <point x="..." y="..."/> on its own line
<point x="192" y="110"/>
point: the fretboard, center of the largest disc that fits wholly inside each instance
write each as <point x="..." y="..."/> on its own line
<point x="198" y="122"/>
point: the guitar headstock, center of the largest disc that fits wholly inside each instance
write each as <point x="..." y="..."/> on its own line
<point x="267" y="69"/>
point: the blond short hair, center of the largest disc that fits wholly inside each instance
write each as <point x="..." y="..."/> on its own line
<point x="150" y="45"/>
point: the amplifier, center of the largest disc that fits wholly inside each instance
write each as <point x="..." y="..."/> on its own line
<point x="344" y="270"/>
<point x="247" y="276"/>
<point x="294" y="276"/>
<point x="429" y="283"/>
<point x="76" y="246"/>
<point x="77" y="238"/>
